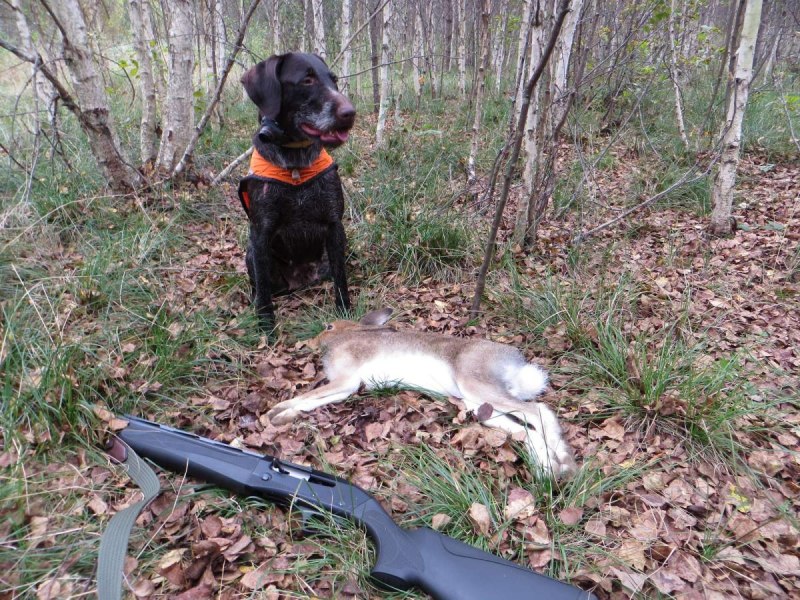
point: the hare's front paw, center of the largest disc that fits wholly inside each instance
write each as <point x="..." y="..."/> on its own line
<point x="282" y="413"/>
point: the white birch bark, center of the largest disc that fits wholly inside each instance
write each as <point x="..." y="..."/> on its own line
<point x="319" y="29"/>
<point x="221" y="36"/>
<point x="461" y="21"/>
<point x="499" y="51"/>
<point x="725" y="177"/>
<point x="674" y="75"/>
<point x="386" y="16"/>
<point x="532" y="132"/>
<point x="548" y="110"/>
<point x="87" y="82"/>
<point x="148" y="138"/>
<point x="483" y="65"/>
<point x="178" y="113"/>
<point x="522" y="58"/>
<point x="150" y="34"/>
<point x="347" y="52"/>
<point x="277" y="47"/>
<point x="559" y="66"/>
<point x="417" y="45"/>
<point x="45" y="95"/>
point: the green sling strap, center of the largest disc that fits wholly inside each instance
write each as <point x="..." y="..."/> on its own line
<point x="114" y="543"/>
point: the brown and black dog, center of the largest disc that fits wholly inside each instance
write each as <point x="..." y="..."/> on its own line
<point x="293" y="195"/>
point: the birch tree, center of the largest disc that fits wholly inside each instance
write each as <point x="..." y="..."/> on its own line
<point x="178" y="113"/>
<point x="383" y="108"/>
<point x="499" y="45"/>
<point x="148" y="137"/>
<point x="93" y="108"/>
<point x="418" y="53"/>
<point x="480" y="86"/>
<point x="460" y="32"/>
<point x="347" y="52"/>
<point x="674" y="76"/>
<point x="319" y="29"/>
<point x="44" y="94"/>
<point x="548" y="115"/>
<point x="725" y="176"/>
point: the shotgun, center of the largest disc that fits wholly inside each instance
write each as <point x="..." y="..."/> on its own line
<point x="445" y="568"/>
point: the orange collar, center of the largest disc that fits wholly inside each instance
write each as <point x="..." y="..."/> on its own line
<point x="262" y="168"/>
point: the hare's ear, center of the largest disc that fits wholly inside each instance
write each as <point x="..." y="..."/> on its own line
<point x="376" y="318"/>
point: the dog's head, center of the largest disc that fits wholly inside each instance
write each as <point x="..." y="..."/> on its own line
<point x="299" y="92"/>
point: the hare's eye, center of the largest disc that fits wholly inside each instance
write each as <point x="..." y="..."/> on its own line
<point x="329" y="327"/>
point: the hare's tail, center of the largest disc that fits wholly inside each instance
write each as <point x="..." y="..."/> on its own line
<point x="526" y="381"/>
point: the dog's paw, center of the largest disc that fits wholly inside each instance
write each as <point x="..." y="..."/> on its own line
<point x="282" y="413"/>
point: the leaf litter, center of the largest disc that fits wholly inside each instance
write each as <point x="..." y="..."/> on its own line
<point x="686" y="526"/>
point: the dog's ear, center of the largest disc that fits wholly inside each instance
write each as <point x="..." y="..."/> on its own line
<point x="262" y="85"/>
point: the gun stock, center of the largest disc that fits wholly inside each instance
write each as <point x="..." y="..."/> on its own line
<point x="439" y="565"/>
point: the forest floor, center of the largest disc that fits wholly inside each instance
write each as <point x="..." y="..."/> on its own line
<point x="690" y="491"/>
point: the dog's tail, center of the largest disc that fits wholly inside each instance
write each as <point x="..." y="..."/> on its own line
<point x="525" y="381"/>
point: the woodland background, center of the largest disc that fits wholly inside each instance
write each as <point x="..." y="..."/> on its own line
<point x="611" y="186"/>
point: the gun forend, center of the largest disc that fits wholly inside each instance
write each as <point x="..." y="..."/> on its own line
<point x="439" y="565"/>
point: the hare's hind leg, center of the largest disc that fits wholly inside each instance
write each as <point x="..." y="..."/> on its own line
<point x="543" y="436"/>
<point x="335" y="391"/>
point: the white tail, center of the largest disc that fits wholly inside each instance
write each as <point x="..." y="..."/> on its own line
<point x="480" y="372"/>
<point x="527" y="382"/>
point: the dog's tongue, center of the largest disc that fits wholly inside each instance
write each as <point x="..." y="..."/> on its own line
<point x="327" y="137"/>
<point x="335" y="136"/>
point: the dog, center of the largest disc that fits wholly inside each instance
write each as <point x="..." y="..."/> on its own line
<point x="293" y="195"/>
<point x="494" y="380"/>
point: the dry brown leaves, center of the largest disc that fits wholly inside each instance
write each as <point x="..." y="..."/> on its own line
<point x="685" y="528"/>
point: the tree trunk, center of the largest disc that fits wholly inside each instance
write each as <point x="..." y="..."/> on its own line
<point x="480" y="86"/>
<point x="499" y="53"/>
<point x="347" y="52"/>
<point x="43" y="90"/>
<point x="542" y="142"/>
<point x="386" y="16"/>
<point x="419" y="53"/>
<point x="725" y="178"/>
<point x="522" y="58"/>
<point x="447" y="42"/>
<point x="319" y="29"/>
<point x="674" y="75"/>
<point x="94" y="114"/>
<point x="277" y="47"/>
<point x="178" y="113"/>
<point x="148" y="137"/>
<point x="515" y="143"/>
<point x="461" y="22"/>
<point x="374" y="33"/>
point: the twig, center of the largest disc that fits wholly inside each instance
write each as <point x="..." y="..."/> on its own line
<point x="683" y="180"/>
<point x="227" y="170"/>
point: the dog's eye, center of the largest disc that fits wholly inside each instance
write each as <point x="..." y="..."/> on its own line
<point x="334" y="78"/>
<point x="309" y="80"/>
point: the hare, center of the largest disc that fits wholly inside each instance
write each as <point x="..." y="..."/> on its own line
<point x="374" y="354"/>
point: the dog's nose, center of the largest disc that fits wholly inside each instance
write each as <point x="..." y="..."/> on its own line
<point x="345" y="111"/>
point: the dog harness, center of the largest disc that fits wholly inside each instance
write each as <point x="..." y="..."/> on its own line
<point x="263" y="170"/>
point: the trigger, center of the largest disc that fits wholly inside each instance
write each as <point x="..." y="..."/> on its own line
<point x="314" y="521"/>
<point x="310" y="521"/>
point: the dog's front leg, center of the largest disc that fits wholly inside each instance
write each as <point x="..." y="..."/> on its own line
<point x="262" y="282"/>
<point x="336" y="243"/>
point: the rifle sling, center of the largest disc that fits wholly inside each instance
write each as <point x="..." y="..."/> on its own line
<point x="114" y="543"/>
